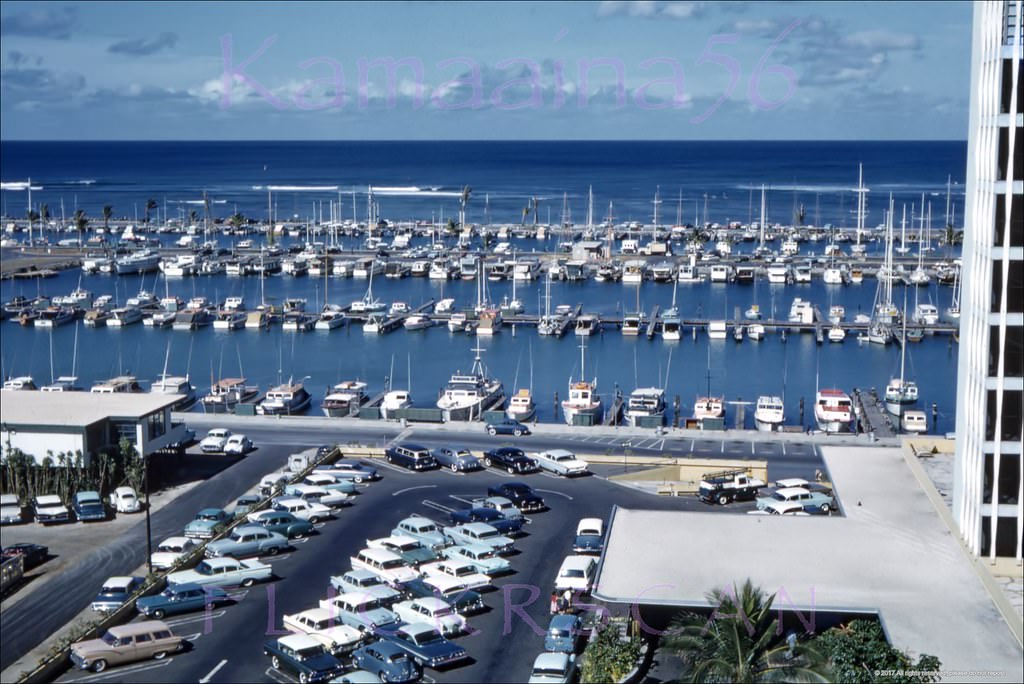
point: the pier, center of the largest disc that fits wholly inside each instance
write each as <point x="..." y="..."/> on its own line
<point x="872" y="415"/>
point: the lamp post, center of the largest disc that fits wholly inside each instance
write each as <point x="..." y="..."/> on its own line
<point x="149" y="532"/>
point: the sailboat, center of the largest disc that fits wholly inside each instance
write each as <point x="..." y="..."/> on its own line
<point x="920" y="276"/>
<point x="583" y="400"/>
<point x="548" y="324"/>
<point x="671" y="324"/>
<point x="952" y="313"/>
<point x="331" y="315"/>
<point x="901" y="392"/>
<point x="466" y="397"/>
<point x="369" y="303"/>
<point x="858" y="249"/>
<point x="709" y="406"/>
<point x="521" y="406"/>
<point x="884" y="313"/>
<point x="173" y="384"/>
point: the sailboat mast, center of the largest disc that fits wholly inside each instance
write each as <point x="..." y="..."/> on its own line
<point x="763" y="218"/>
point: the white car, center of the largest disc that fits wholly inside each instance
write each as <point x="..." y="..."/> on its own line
<point x="215" y="440"/>
<point x="561" y="462"/>
<point x="463" y="572"/>
<point x="125" y="500"/>
<point x="307" y="510"/>
<point x="387" y="565"/>
<point x="432" y="611"/>
<point x="553" y="668"/>
<point x="237" y="445"/>
<point x="320" y="624"/>
<point x="780" y="508"/>
<point x="314" y="494"/>
<point x="10" y="509"/>
<point x="576" y="574"/>
<point x="170" y="550"/>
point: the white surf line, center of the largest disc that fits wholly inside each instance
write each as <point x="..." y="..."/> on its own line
<point x="411" y="489"/>
<point x="552" y="491"/>
<point x="214" y="671"/>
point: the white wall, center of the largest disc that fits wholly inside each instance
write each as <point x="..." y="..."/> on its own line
<point x="36" y="444"/>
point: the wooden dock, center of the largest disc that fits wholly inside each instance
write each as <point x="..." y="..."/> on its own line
<point x="874" y="419"/>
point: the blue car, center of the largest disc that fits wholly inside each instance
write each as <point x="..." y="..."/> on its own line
<point x="507" y="427"/>
<point x="563" y="634"/>
<point x="387" y="661"/>
<point x="489" y="516"/>
<point x="180" y="598"/>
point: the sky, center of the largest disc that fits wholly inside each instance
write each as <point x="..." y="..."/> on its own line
<point x="510" y="71"/>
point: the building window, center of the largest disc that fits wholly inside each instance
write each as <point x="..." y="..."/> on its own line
<point x="124" y="430"/>
<point x="1016" y="234"/>
<point x="156" y="425"/>
<point x="1013" y="415"/>
<point x="1003" y="157"/>
<point x="1015" y="288"/>
<point x="1009" y="478"/>
<point x="1012" y="354"/>
<point x="1007" y="536"/>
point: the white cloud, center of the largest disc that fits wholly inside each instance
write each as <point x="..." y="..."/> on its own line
<point x="882" y="39"/>
<point x="651" y="9"/>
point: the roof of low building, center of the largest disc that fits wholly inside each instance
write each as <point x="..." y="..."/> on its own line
<point x="79" y="409"/>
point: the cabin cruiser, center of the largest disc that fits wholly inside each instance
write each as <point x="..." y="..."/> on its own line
<point x="833" y="410"/>
<point x="801" y="311"/>
<point x="836" y="313"/>
<point x="394" y="400"/>
<point x="924" y="314"/>
<point x="900" y="393"/>
<point x="234" y="304"/>
<point x="769" y="413"/>
<point x="586" y="325"/>
<point x="122" y="383"/>
<point x="54" y="316"/>
<point x="689" y="274"/>
<point x="65" y="383"/>
<point x="709" y="407"/>
<point x="646" y="405"/>
<point x="417" y="322"/>
<point x="128" y="315"/>
<point x="663" y="272"/>
<point x="633" y="272"/>
<point x="722" y="273"/>
<point x="342" y="268"/>
<point x="755" y="331"/>
<point x="914" y="421"/>
<point x="227" y="393"/>
<point x="583" y="400"/>
<point x="671" y="324"/>
<point x="632" y="322"/>
<point x="142" y="300"/>
<point x="287" y="399"/>
<point x="466" y="397"/>
<point x="254" y="320"/>
<point x="717" y="330"/>
<point x="440" y="269"/>
<point x="191" y="319"/>
<point x="836" y="333"/>
<point x="176" y="385"/>
<point x="444" y="306"/>
<point x="778" y="274"/>
<point x="373" y="324"/>
<point x="24" y="382"/>
<point x="521" y="406"/>
<point x="344" y="398"/>
<point x="298" y="321"/>
<point x="140" y="262"/>
<point x="457" y="322"/>
<point x="489" y="322"/>
<point x="331" y="317"/>
<point x="229" y="320"/>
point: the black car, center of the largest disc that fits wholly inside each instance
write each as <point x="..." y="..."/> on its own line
<point x="411" y="456"/>
<point x="519" y="493"/>
<point x="486" y="515"/>
<point x="34" y="554"/>
<point x="512" y="459"/>
<point x="462" y="601"/>
<point x="507" y="427"/>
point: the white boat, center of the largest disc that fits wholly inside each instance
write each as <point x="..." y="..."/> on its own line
<point x="722" y="273"/>
<point x="342" y="268"/>
<point x="142" y="300"/>
<point x="836" y="333"/>
<point x="234" y="304"/>
<point x="20" y="383"/>
<point x="344" y="398"/>
<point x="54" y="316"/>
<point x="753" y="313"/>
<point x="122" y="383"/>
<point x="914" y="421"/>
<point x="832" y="276"/>
<point x="836" y="314"/>
<point x="229" y="320"/>
<point x="717" y="330"/>
<point x="646" y="405"/>
<point x="926" y="314"/>
<point x="287" y="399"/>
<point x="372" y="324"/>
<point x="124" y="316"/>
<point x="331" y="317"/>
<point x="802" y="312"/>
<point x="586" y="325"/>
<point x="689" y="274"/>
<point x="521" y="406"/>
<point x="671" y="325"/>
<point x="769" y="414"/>
<point x="142" y="261"/>
<point x="398" y="308"/>
<point x="489" y="322"/>
<point x="168" y="384"/>
<point x="440" y="269"/>
<point x="298" y="321"/>
<point x="755" y="331"/>
<point x="709" y="407"/>
<point x="255" y="320"/>
<point x="417" y="322"/>
<point x="444" y="306"/>
<point x="227" y="393"/>
<point x="393" y="401"/>
<point x="457" y="322"/>
<point x="778" y="274"/>
<point x="583" y="400"/>
<point x="633" y="272"/>
<point x="632" y="323"/>
<point x="900" y="392"/>
<point x="65" y="383"/>
<point x="833" y="410"/>
<point x="467" y="396"/>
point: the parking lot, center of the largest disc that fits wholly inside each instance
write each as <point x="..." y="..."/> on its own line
<point x="228" y="642"/>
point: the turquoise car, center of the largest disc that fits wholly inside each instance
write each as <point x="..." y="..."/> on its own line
<point x="180" y="598"/>
<point x="484" y="559"/>
<point x="208" y="523"/>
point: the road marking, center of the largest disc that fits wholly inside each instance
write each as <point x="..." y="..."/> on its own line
<point x="551" y="475"/>
<point x="753" y="449"/>
<point x="196" y="618"/>
<point x="552" y="491"/>
<point x="116" y="672"/>
<point x="460" y="498"/>
<point x="410" y="489"/>
<point x="195" y="636"/>
<point x="300" y="541"/>
<point x="214" y="671"/>
<point x="278" y="676"/>
<point x="723" y="447"/>
<point x="783" y="448"/>
<point x="436" y="506"/>
<point x="238" y="594"/>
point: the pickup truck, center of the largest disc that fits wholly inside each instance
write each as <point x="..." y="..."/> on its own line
<point x="426" y="646"/>
<point x="208" y="523"/>
<point x="248" y="540"/>
<point x="304" y="657"/>
<point x="726" y="486"/>
<point x="319" y="624"/>
<point x="224" y="572"/>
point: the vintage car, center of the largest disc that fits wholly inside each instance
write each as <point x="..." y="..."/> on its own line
<point x="331" y="498"/>
<point x="490" y="516"/>
<point x="387" y="565"/>
<point x="208" y="523"/>
<point x="390" y="662"/>
<point x="125" y="500"/>
<point x="553" y="668"/>
<point x="507" y="426"/>
<point x="432" y="611"/>
<point x="334" y="483"/>
<point x="304" y="657"/>
<point x="50" y="509"/>
<point x="307" y="510"/>
<point x="484" y="559"/>
<point x="576" y="574"/>
<point x="126" y="644"/>
<point x="479" y="533"/>
<point x="248" y="540"/>
<point x="88" y="506"/>
<point x="322" y="626"/>
<point x="10" y="510"/>
<point x="170" y="550"/>
<point x="512" y="459"/>
<point x="215" y="441"/>
<point x="589" y="536"/>
<point x="224" y="572"/>
<point x="237" y="445"/>
<point x="502" y="505"/>
<point x="31" y="554"/>
<point x="363" y="611"/>
<point x="413" y="552"/>
<point x="283" y="523"/>
<point x="411" y="456"/>
<point x="357" y="471"/>
<point x="810" y="500"/>
<point x="426" y="646"/>
<point x="465" y="573"/>
<point x="456" y="460"/>
<point x="561" y="462"/>
<point x="463" y="601"/>
<point x="181" y="598"/>
<point x="423" y="529"/>
<point x="563" y="635"/>
<point x="519" y="493"/>
<point x="364" y="581"/>
<point x="115" y="592"/>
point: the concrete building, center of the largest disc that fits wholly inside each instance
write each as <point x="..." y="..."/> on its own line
<point x="39" y="423"/>
<point x="989" y="484"/>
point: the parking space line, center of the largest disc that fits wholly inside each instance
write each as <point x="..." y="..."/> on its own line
<point x="783" y="448"/>
<point x="436" y="506"/>
<point x="460" y="498"/>
<point x="116" y="672"/>
<point x="299" y="541"/>
<point x="214" y="671"/>
<point x="278" y="676"/>
<point x="196" y="618"/>
<point x="410" y="489"/>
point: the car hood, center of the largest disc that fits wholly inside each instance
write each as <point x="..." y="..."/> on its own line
<point x="6" y="511"/>
<point x="52" y="509"/>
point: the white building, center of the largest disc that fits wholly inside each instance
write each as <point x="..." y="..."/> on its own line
<point x="39" y="423"/>
<point x="988" y="485"/>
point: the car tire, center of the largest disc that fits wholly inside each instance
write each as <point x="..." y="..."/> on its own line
<point x="159" y="614"/>
<point x="314" y="520"/>
<point x="273" y="550"/>
<point x="276" y="662"/>
<point x="248" y="582"/>
<point x="511" y="470"/>
<point x="159" y="655"/>
<point x="357" y="480"/>
<point x="722" y="499"/>
<point x="298" y="534"/>
<point x="826" y="508"/>
<point x="487" y="462"/>
<point x="517" y="433"/>
<point x="304" y="678"/>
<point x="491" y="431"/>
<point x="99" y="665"/>
<point x="383" y="676"/>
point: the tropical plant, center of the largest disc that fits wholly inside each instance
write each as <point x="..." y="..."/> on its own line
<point x="741" y="642"/>
<point x="81" y="222"/>
<point x="150" y="206"/>
<point x="609" y="657"/>
<point x="237" y="221"/>
<point x="857" y="651"/>
<point x="44" y="214"/>
<point x="193" y="217"/>
<point x="108" y="211"/>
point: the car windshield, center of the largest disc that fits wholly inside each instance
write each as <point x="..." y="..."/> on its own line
<point x="572" y="573"/>
<point x="547" y="672"/>
<point x="558" y="633"/>
<point x="309" y="652"/>
<point x="429" y="637"/>
<point x="109" y="639"/>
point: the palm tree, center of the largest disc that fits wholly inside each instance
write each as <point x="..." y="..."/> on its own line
<point x="193" y="217"/>
<point x="32" y="215"/>
<point x="44" y="214"/>
<point x="108" y="211"/>
<point x="81" y="221"/>
<point x="741" y="642"/>
<point x="237" y="221"/>
<point x="150" y="205"/>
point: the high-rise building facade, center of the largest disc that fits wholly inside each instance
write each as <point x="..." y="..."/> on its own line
<point x="988" y="482"/>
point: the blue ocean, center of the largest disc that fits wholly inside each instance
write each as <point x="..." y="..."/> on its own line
<point x="694" y="181"/>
